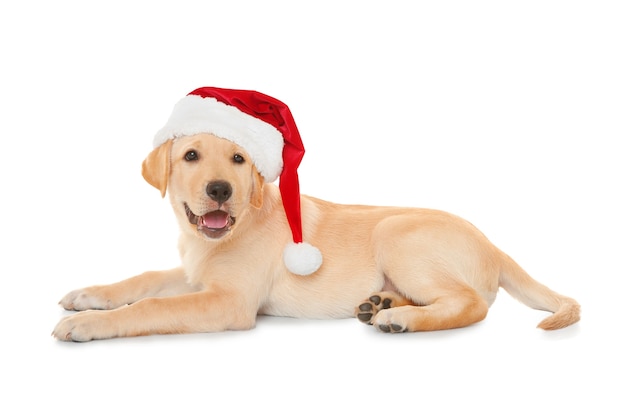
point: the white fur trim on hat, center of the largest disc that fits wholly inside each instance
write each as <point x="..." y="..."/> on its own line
<point x="302" y="258"/>
<point x="195" y="114"/>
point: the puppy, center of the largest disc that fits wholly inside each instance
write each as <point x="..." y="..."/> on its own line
<point x="397" y="269"/>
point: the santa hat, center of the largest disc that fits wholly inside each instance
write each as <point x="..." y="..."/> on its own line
<point x="265" y="128"/>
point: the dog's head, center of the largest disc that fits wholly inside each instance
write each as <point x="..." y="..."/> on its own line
<point x="212" y="182"/>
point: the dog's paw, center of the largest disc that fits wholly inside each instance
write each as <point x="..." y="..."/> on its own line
<point x="369" y="308"/>
<point x="90" y="298"/>
<point x="392" y="321"/>
<point x="370" y="311"/>
<point x="81" y="327"/>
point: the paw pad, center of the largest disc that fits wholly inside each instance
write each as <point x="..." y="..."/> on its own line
<point x="369" y="312"/>
<point x="391" y="328"/>
<point x="373" y="305"/>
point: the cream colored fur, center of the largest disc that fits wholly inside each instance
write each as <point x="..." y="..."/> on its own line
<point x="398" y="269"/>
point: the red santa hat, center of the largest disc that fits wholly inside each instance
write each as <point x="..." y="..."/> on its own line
<point x="265" y="128"/>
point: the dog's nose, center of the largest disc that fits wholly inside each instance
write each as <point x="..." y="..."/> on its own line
<point x="219" y="191"/>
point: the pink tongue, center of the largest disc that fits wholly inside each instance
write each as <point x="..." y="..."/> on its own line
<point x="214" y="219"/>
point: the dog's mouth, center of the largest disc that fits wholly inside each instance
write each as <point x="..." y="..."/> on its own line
<point x="214" y="224"/>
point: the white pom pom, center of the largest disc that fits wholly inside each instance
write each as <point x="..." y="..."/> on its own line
<point x="302" y="258"/>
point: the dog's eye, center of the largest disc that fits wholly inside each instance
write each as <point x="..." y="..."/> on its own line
<point x="238" y="158"/>
<point x="191" y="155"/>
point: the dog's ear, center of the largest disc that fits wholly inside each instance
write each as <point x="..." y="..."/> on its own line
<point x="156" y="167"/>
<point x="256" y="199"/>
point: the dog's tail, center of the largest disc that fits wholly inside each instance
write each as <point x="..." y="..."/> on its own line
<point x="517" y="282"/>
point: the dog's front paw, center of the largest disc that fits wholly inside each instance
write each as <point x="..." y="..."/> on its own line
<point x="85" y="326"/>
<point x="90" y="298"/>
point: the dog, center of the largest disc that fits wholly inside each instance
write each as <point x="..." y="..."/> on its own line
<point x="397" y="269"/>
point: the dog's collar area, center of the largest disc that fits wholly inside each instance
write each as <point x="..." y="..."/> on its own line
<point x="213" y="224"/>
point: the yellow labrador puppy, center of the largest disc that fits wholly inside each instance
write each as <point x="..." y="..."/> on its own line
<point x="241" y="243"/>
<point x="398" y="269"/>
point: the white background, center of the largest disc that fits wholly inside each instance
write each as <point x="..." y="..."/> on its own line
<point x="512" y="116"/>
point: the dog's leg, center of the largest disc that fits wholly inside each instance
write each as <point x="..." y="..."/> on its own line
<point x="443" y="305"/>
<point x="148" y="284"/>
<point x="444" y="314"/>
<point x="390" y="312"/>
<point x="205" y="311"/>
<point x="438" y="262"/>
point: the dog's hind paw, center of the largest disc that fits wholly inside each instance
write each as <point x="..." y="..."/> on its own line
<point x="367" y="310"/>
